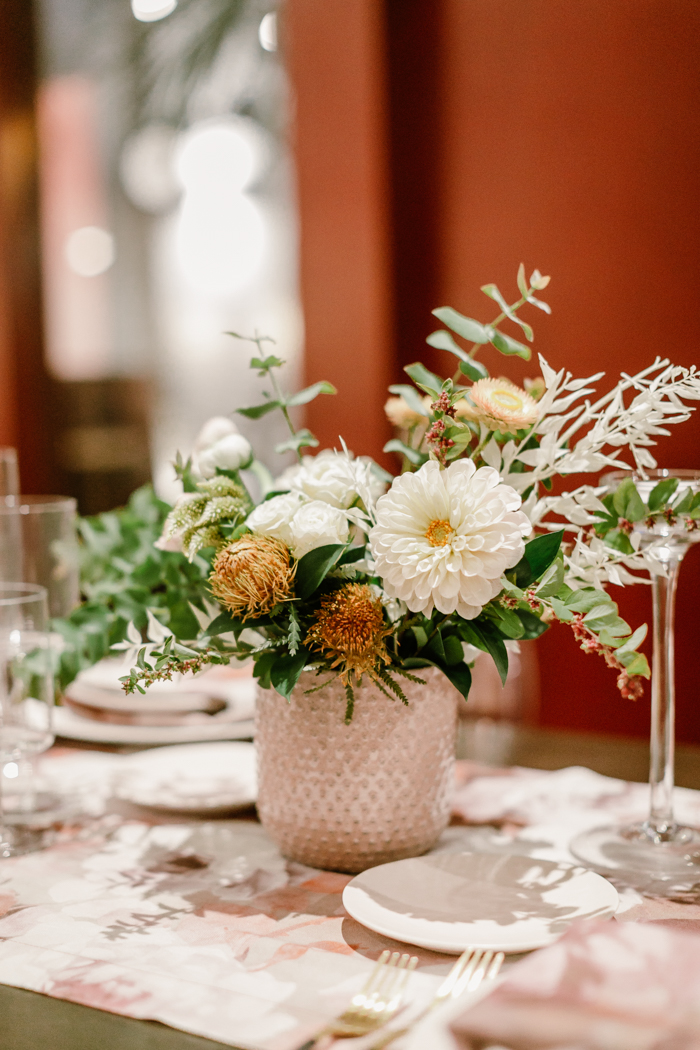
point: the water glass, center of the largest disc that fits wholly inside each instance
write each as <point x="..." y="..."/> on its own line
<point x="38" y="544"/>
<point x="9" y="475"/>
<point x="26" y="700"/>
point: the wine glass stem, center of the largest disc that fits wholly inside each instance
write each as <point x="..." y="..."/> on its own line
<point x="663" y="700"/>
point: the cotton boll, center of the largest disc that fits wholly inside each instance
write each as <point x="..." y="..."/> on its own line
<point x="229" y="453"/>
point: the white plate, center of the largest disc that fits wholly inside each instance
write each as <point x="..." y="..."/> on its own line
<point x="192" y="778"/>
<point x="448" y="901"/>
<point x="68" y="724"/>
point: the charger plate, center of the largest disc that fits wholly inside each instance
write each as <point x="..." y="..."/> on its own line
<point x="197" y="779"/>
<point x="451" y="901"/>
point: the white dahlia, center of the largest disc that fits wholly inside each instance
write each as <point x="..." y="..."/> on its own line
<point x="444" y="538"/>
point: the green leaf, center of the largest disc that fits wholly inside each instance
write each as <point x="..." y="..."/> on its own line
<point x="435" y="647"/>
<point x="302" y="439"/>
<point x="182" y="621"/>
<point x="424" y="379"/>
<point x="313" y="568"/>
<point x="442" y="340"/>
<point x="410" y="396"/>
<point x="454" y="653"/>
<point x="635" y="664"/>
<point x="474" y="370"/>
<point x="223" y="623"/>
<point x="507" y="621"/>
<point x="684" y="504"/>
<point x="352" y="554"/>
<point x="532" y="624"/>
<point x="467" y="327"/>
<point x="294" y="631"/>
<point x="286" y="671"/>
<point x="459" y="675"/>
<point x="634" y="640"/>
<point x="266" y="363"/>
<point x="411" y="454"/>
<point x="256" y="411"/>
<point x="262" y="666"/>
<point x="522" y="282"/>
<point x="563" y="613"/>
<point x="586" y="599"/>
<point x="492" y="643"/>
<point x="302" y="397"/>
<point x="539" y="555"/>
<point x="627" y="501"/>
<point x="507" y="345"/>
<point x="551" y="580"/>
<point x="661" y="493"/>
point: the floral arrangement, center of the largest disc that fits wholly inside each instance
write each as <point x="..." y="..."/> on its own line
<point x="335" y="567"/>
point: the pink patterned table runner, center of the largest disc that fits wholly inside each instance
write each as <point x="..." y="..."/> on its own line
<point x="205" y="927"/>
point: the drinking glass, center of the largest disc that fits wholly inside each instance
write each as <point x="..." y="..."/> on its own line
<point x="9" y="476"/>
<point x="659" y="857"/>
<point x="26" y="700"/>
<point x="38" y="544"/>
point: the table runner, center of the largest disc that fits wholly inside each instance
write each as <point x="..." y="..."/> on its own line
<point x="205" y="927"/>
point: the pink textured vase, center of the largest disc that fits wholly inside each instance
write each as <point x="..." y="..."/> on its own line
<point x="347" y="797"/>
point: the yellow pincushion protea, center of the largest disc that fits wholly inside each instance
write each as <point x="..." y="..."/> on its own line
<point x="350" y="632"/>
<point x="253" y="575"/>
<point x="501" y="405"/>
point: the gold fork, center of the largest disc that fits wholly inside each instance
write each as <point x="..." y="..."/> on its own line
<point x="472" y="967"/>
<point x="375" y="1004"/>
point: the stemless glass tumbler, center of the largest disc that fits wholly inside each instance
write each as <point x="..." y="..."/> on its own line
<point x="26" y="699"/>
<point x="658" y="857"/>
<point x="38" y="544"/>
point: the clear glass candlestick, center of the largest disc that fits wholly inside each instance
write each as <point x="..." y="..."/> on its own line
<point x="659" y="856"/>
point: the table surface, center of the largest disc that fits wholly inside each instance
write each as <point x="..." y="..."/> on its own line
<point x="31" y="1021"/>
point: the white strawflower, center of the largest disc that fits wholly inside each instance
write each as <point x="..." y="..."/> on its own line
<point x="273" y="518"/>
<point x="228" y="453"/>
<point x="501" y="405"/>
<point x="316" y="524"/>
<point x="444" y="538"/>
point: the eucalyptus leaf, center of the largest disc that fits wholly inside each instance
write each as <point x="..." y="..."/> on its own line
<point x="507" y="345"/>
<point x="257" y="411"/>
<point x="474" y="370"/>
<point x="302" y="439"/>
<point x="424" y="379"/>
<point x="627" y="501"/>
<point x="302" y="397"/>
<point x="410" y="396"/>
<point x="411" y="454"/>
<point x="467" y="327"/>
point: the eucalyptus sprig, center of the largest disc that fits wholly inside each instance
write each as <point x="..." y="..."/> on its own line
<point x="266" y="365"/>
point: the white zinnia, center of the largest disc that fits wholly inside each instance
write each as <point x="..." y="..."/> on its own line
<point x="444" y="538"/>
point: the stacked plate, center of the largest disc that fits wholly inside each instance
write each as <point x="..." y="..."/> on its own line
<point x="217" y="704"/>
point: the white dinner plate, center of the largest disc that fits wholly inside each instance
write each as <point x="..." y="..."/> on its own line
<point x="222" y="726"/>
<point x="206" y="779"/>
<point x="449" y="901"/>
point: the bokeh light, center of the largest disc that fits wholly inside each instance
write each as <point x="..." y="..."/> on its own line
<point x="89" y="251"/>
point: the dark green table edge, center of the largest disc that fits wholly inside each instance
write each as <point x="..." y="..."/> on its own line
<point x="31" y="1021"/>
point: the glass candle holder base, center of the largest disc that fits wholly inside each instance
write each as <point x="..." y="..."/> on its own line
<point x="656" y="861"/>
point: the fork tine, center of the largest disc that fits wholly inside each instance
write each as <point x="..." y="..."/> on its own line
<point x="454" y="974"/>
<point x="495" y="966"/>
<point x="382" y="989"/>
<point x="479" y="973"/>
<point x="467" y="973"/>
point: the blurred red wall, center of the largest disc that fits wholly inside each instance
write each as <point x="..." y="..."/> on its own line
<point x="438" y="145"/>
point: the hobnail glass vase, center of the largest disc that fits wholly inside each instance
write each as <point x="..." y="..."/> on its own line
<point x="658" y="856"/>
<point x="348" y="797"/>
